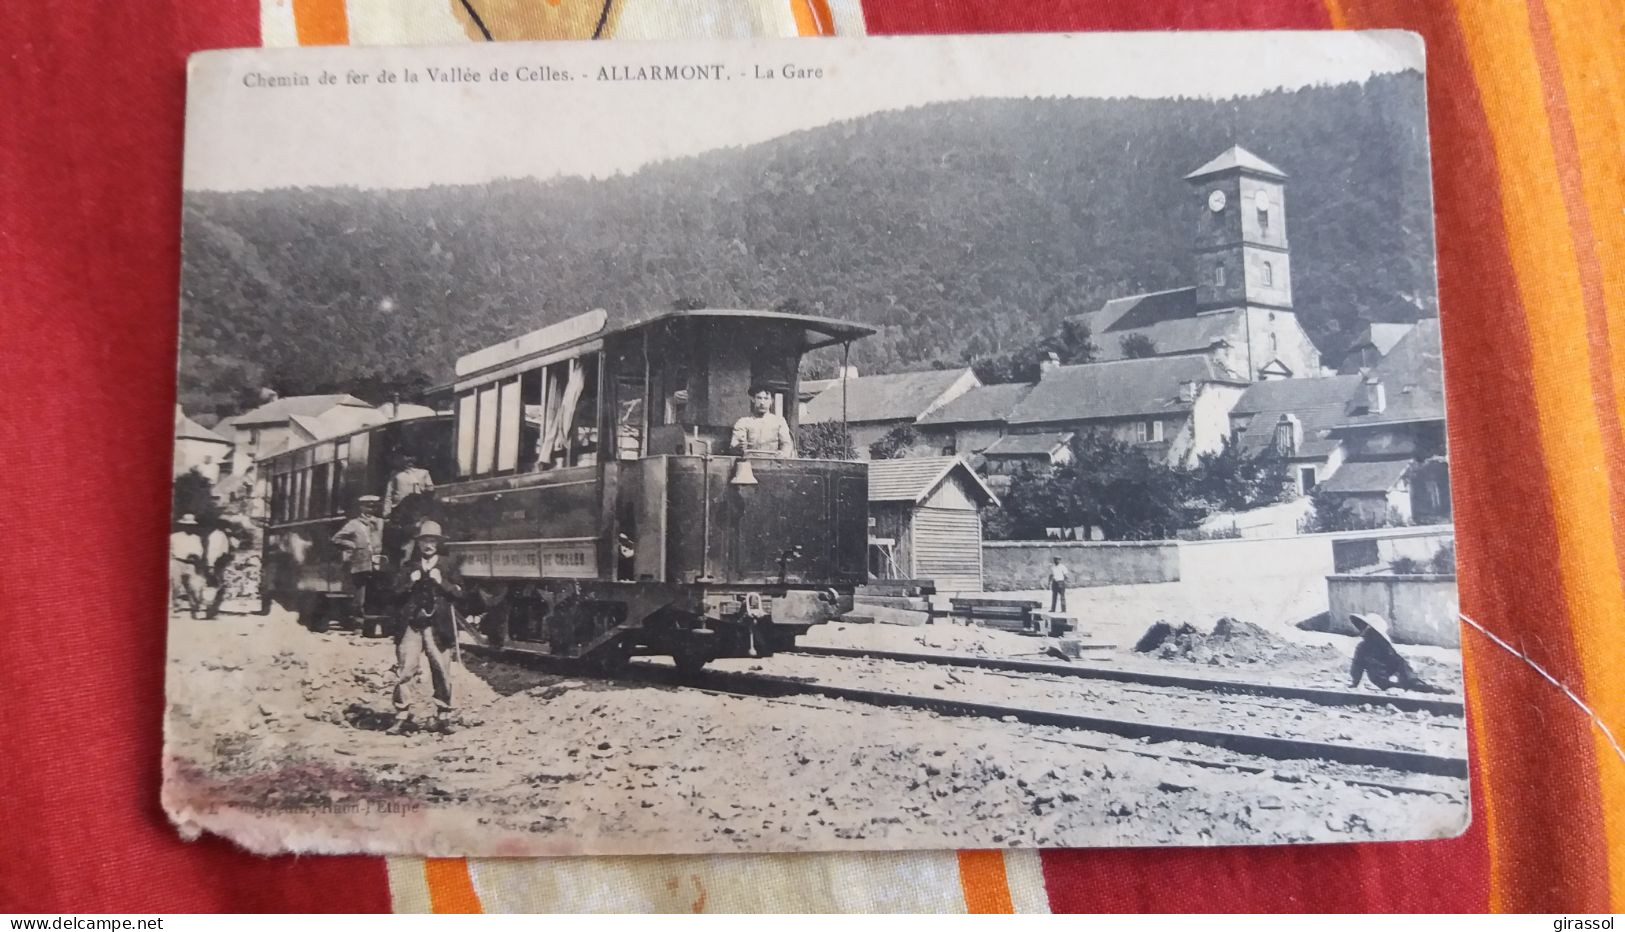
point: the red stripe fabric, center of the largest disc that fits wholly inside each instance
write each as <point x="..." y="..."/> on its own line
<point x="90" y="148"/>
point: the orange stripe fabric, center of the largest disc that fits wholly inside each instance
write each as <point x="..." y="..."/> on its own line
<point x="321" y="22"/>
<point x="813" y="17"/>
<point x="982" y="877"/>
<point x="451" y="888"/>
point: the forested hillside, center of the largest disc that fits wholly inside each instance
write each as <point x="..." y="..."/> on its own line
<point x="959" y="229"/>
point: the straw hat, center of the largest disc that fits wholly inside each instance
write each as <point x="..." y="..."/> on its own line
<point x="1372" y="621"/>
<point x="430" y="529"/>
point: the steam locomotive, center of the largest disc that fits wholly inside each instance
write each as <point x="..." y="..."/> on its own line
<point x="585" y="480"/>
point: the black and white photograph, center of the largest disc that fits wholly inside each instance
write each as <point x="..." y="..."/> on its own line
<point x="768" y="446"/>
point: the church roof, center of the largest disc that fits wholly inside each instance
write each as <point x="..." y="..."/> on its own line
<point x="1233" y="158"/>
<point x="1168" y="319"/>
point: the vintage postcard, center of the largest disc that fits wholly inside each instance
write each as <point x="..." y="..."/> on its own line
<point x="1014" y="441"/>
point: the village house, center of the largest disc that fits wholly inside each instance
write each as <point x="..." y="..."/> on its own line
<point x="925" y="521"/>
<point x="1239" y="311"/>
<point x="1015" y="454"/>
<point x="199" y="448"/>
<point x="1373" y="343"/>
<point x="1174" y="407"/>
<point x="972" y="422"/>
<point x="874" y="405"/>
<point x="1295" y="419"/>
<point x="282" y="423"/>
<point x="1393" y="433"/>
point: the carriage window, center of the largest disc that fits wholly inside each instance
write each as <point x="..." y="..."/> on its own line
<point x="301" y="503"/>
<point x="320" y="478"/>
<point x="465" y="434"/>
<point x="532" y="408"/>
<point x="485" y="445"/>
<point x="568" y="434"/>
<point x="340" y="458"/>
<point x="508" y="430"/>
<point x="279" y="498"/>
<point x="629" y="415"/>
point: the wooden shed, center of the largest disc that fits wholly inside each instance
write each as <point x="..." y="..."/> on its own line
<point x="925" y="521"/>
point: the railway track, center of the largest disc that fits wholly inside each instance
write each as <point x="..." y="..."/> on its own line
<point x="781" y="687"/>
<point x="1330" y="697"/>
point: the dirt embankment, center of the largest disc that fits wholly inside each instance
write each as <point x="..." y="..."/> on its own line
<point x="275" y="738"/>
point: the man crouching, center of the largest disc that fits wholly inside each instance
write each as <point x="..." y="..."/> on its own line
<point x="429" y="592"/>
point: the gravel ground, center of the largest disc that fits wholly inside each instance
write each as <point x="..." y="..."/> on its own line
<point x="274" y="739"/>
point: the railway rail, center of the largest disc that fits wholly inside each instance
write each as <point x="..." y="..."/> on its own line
<point x="1331" y="697"/>
<point x="779" y="687"/>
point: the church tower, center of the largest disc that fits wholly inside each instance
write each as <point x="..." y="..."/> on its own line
<point x="1242" y="265"/>
<point x="1240" y="249"/>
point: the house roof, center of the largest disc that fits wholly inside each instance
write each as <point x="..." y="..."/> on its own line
<point x="811" y="387"/>
<point x="275" y="412"/>
<point x="1124" y="388"/>
<point x="1044" y="444"/>
<point x="1368" y="476"/>
<point x="188" y="429"/>
<point x="1318" y="404"/>
<point x="913" y="479"/>
<point x="981" y="404"/>
<point x="1412" y="375"/>
<point x="1236" y="157"/>
<point x="901" y="396"/>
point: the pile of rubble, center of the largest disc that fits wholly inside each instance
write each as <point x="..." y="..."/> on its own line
<point x="1231" y="643"/>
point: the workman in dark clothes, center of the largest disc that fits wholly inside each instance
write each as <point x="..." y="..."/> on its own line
<point x="1376" y="657"/>
<point x="430" y="592"/>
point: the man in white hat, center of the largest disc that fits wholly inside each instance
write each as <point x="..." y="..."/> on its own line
<point x="186" y="570"/>
<point x="361" y="545"/>
<point x="430" y="591"/>
<point x="1376" y="657"/>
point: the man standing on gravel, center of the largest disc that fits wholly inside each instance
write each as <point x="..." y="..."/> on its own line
<point x="361" y="542"/>
<point x="1057" y="585"/>
<point x="430" y="592"/>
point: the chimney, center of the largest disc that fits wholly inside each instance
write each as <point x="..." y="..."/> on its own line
<point x="1376" y="398"/>
<point x="1047" y="362"/>
<point x="1187" y="392"/>
<point x="1288" y="435"/>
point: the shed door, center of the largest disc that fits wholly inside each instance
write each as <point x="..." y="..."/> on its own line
<point x="948" y="548"/>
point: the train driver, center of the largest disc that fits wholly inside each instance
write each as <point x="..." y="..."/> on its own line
<point x="410" y="479"/>
<point x="763" y="432"/>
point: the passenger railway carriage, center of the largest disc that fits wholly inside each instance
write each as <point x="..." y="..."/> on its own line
<point x="312" y="491"/>
<point x="589" y="490"/>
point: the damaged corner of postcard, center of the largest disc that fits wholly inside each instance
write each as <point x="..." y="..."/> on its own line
<point x="698" y="447"/>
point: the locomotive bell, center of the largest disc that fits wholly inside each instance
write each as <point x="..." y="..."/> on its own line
<point x="743" y="475"/>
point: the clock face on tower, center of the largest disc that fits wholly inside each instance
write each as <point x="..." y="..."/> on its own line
<point x="1215" y="201"/>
